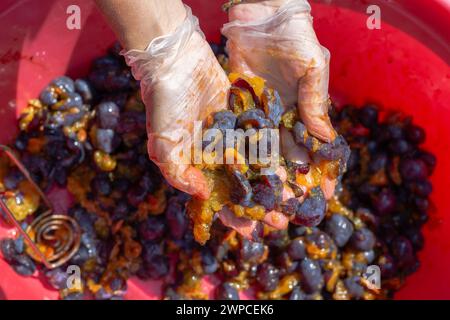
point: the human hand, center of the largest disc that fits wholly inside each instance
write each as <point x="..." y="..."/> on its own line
<point x="181" y="82"/>
<point x="275" y="40"/>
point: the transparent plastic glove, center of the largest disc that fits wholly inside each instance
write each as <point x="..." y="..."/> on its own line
<point x="275" y="40"/>
<point x="181" y="82"/>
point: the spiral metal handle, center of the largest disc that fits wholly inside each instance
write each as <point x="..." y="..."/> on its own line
<point x="60" y="233"/>
<point x="53" y="239"/>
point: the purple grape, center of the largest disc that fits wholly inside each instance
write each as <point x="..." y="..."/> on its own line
<point x="152" y="229"/>
<point x="106" y="63"/>
<point x="339" y="228"/>
<point x="416" y="238"/>
<point x="64" y="83"/>
<point x="421" y="188"/>
<point x="48" y="97"/>
<point x="268" y="276"/>
<point x="73" y="100"/>
<point x="24" y="265"/>
<point x="399" y="146"/>
<point x="402" y="249"/>
<point x="312" y="210"/>
<point x="224" y="120"/>
<point x="338" y="149"/>
<point x="413" y="169"/>
<point x="368" y="115"/>
<point x="354" y="287"/>
<point x="101" y="185"/>
<point x="57" y="278"/>
<point x="251" y="251"/>
<point x="107" y="115"/>
<point x="74" y="296"/>
<point x="158" y="267"/>
<point x="121" y="211"/>
<point x="429" y="159"/>
<point x="363" y="239"/>
<point x="151" y="250"/>
<point x="84" y="89"/>
<point x="297" y="294"/>
<point x="176" y="219"/>
<point x="385" y="202"/>
<point x="136" y="196"/>
<point x="415" y="134"/>
<point x="226" y="291"/>
<point x="254" y="118"/>
<point x="394" y="131"/>
<point x="241" y="193"/>
<point x="296" y="249"/>
<point x="264" y="195"/>
<point x="216" y="49"/>
<point x="421" y="203"/>
<point x="312" y="278"/>
<point x="209" y="262"/>
<point x="12" y="179"/>
<point x="105" y="140"/>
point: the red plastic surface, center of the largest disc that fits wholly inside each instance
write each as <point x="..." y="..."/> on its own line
<point x="403" y="66"/>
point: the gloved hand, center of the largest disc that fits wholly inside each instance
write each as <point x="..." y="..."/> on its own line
<point x="275" y="40"/>
<point x="181" y="82"/>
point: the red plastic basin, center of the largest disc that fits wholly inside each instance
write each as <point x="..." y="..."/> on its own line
<point x="403" y="66"/>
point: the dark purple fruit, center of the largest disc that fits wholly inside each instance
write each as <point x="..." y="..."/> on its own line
<point x="226" y="291"/>
<point x="413" y="169"/>
<point x="242" y="190"/>
<point x="264" y="195"/>
<point x="84" y="89"/>
<point x="209" y="262"/>
<point x="268" y="277"/>
<point x="311" y="275"/>
<point x="158" y="267"/>
<point x="107" y="115"/>
<point x="421" y="203"/>
<point x="429" y="159"/>
<point x="354" y="287"/>
<point x="105" y="140"/>
<point x="101" y="185"/>
<point x="363" y="239"/>
<point x="300" y="133"/>
<point x="296" y="249"/>
<point x="152" y="229"/>
<point x="136" y="195"/>
<point x="385" y="202"/>
<point x="421" y="188"/>
<point x="368" y="115"/>
<point x="399" y="146"/>
<point x="378" y="162"/>
<point x="339" y="228"/>
<point x="254" y="118"/>
<point x="402" y="249"/>
<point x="176" y="220"/>
<point x="272" y="105"/>
<point x="297" y="294"/>
<point x="251" y="251"/>
<point x="64" y="83"/>
<point x="48" y="97"/>
<point x="394" y="131"/>
<point x="415" y="134"/>
<point x="338" y="149"/>
<point x="224" y="120"/>
<point x="311" y="212"/>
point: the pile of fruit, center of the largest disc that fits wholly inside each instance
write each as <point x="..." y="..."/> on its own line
<point x="89" y="136"/>
<point x="243" y="145"/>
